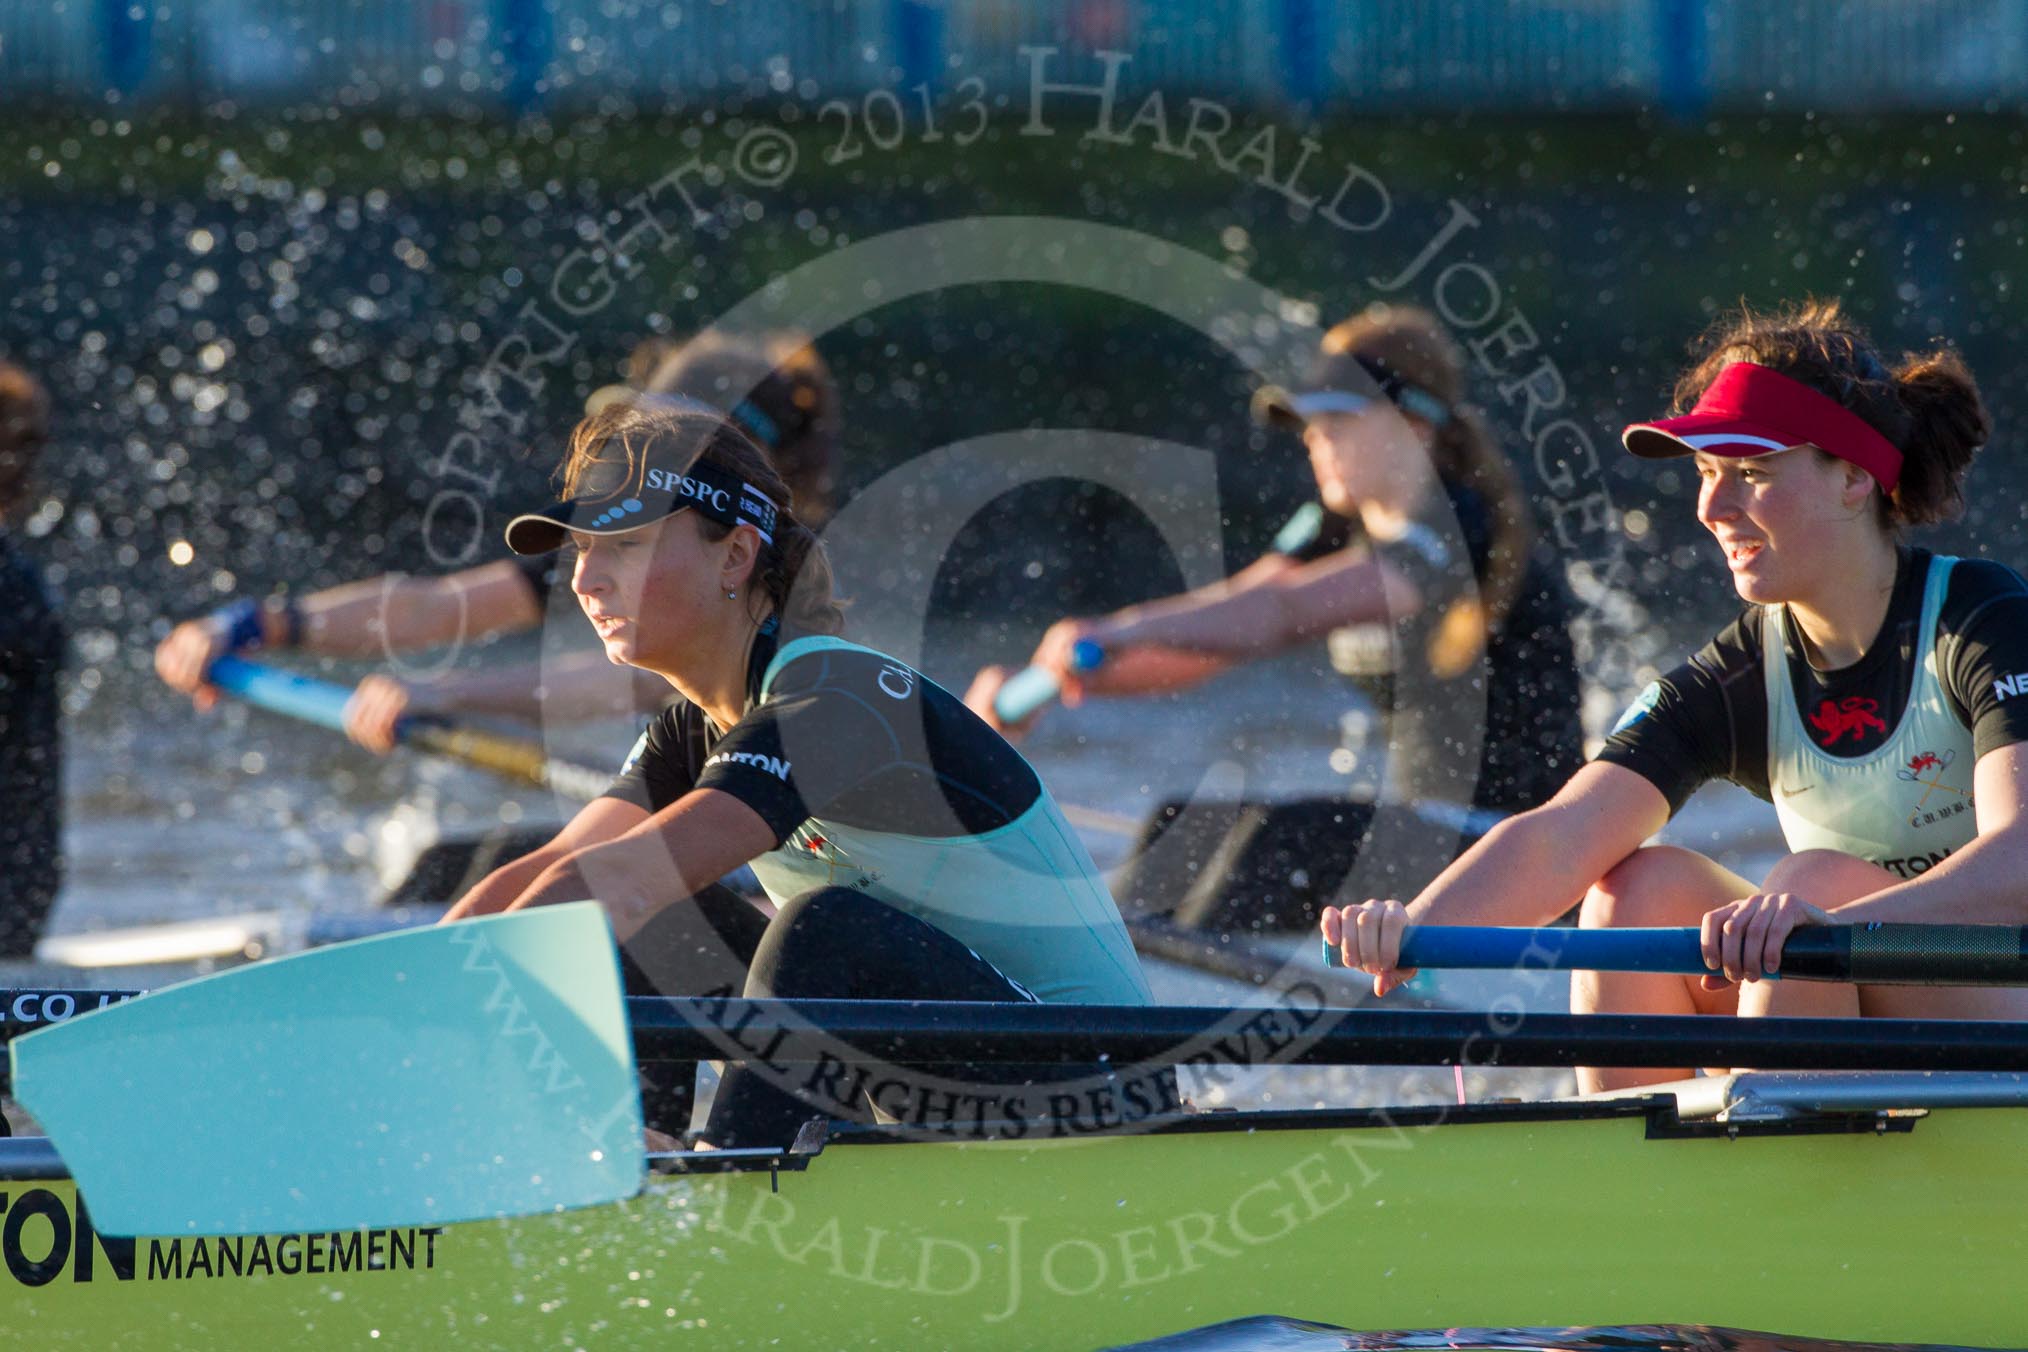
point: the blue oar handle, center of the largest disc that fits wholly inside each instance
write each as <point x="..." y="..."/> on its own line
<point x="309" y="699"/>
<point x="1032" y="687"/>
<point x="1612" y="950"/>
<point x="1455" y="947"/>
<point x="322" y="703"/>
<point x="1916" y="955"/>
<point x="282" y="692"/>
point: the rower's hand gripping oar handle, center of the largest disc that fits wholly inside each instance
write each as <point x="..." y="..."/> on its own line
<point x="322" y="704"/>
<point x="1907" y="955"/>
<point x="1032" y="687"/>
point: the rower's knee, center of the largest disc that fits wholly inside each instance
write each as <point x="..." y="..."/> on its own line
<point x="801" y="952"/>
<point x="821" y="920"/>
<point x="1641" y="890"/>
<point x="821" y="908"/>
<point x="1826" y="877"/>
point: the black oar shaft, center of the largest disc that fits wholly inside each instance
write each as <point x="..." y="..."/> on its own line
<point x="1300" y="1032"/>
<point x="1930" y="955"/>
<point x="781" y="1032"/>
<point x="1906" y="955"/>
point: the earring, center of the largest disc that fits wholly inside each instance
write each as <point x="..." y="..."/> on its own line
<point x="732" y="596"/>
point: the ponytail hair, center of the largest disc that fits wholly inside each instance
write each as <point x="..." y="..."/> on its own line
<point x="1928" y="406"/>
<point x="1948" y="423"/>
<point x="779" y="391"/>
<point x="1413" y="344"/>
<point x="794" y="573"/>
<point x="615" y="445"/>
<point x="1467" y="455"/>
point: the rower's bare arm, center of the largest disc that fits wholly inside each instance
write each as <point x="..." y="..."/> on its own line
<point x="361" y="619"/>
<point x="1980" y="884"/>
<point x="1127" y="671"/>
<point x="1291" y="603"/>
<point x="1536" y="865"/>
<point x="574" y="686"/>
<point x="1151" y="670"/>
<point x="1144" y="669"/>
<point x="1339" y="590"/>
<point x="397" y="613"/>
<point x="600" y="820"/>
<point x="1201" y="621"/>
<point x="688" y="845"/>
<point x="1259" y="573"/>
<point x="578" y="685"/>
<point x="1135" y="663"/>
<point x="1527" y="870"/>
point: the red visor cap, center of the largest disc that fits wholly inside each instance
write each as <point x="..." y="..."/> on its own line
<point x="1752" y="411"/>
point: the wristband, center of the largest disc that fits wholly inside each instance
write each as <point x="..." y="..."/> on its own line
<point x="241" y="623"/>
<point x="285" y="609"/>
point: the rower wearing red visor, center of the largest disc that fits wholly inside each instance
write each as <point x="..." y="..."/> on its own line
<point x="1874" y="692"/>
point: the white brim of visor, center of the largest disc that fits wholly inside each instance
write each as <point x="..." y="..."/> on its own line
<point x="1331" y="401"/>
<point x="1731" y="445"/>
<point x="547" y="527"/>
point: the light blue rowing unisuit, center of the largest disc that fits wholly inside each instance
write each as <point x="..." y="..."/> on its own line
<point x="1026" y="896"/>
<point x="1908" y="798"/>
<point x="877" y="779"/>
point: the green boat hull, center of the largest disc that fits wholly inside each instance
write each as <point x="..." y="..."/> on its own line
<point x="1522" y="1215"/>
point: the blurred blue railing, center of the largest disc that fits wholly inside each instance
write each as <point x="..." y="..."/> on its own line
<point x="1371" y="56"/>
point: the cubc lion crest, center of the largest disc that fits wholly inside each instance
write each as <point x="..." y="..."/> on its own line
<point x="1854" y="714"/>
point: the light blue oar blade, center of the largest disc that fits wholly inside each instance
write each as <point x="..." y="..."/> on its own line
<point x="435" y="1075"/>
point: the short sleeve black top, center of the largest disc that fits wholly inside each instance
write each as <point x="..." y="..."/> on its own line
<point x="1708" y="718"/>
<point x="32" y="646"/>
<point x="873" y="777"/>
<point x="919" y="765"/>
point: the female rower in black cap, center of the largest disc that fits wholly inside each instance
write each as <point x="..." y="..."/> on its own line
<point x="909" y="851"/>
<point x="775" y="386"/>
<point x="1871" y="690"/>
<point x="1419" y="560"/>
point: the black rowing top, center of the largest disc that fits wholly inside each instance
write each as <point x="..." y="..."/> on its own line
<point x="1526" y="692"/>
<point x="32" y="645"/>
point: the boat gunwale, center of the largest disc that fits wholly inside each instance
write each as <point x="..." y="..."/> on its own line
<point x="26" y="1157"/>
<point x="1705" y="1106"/>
